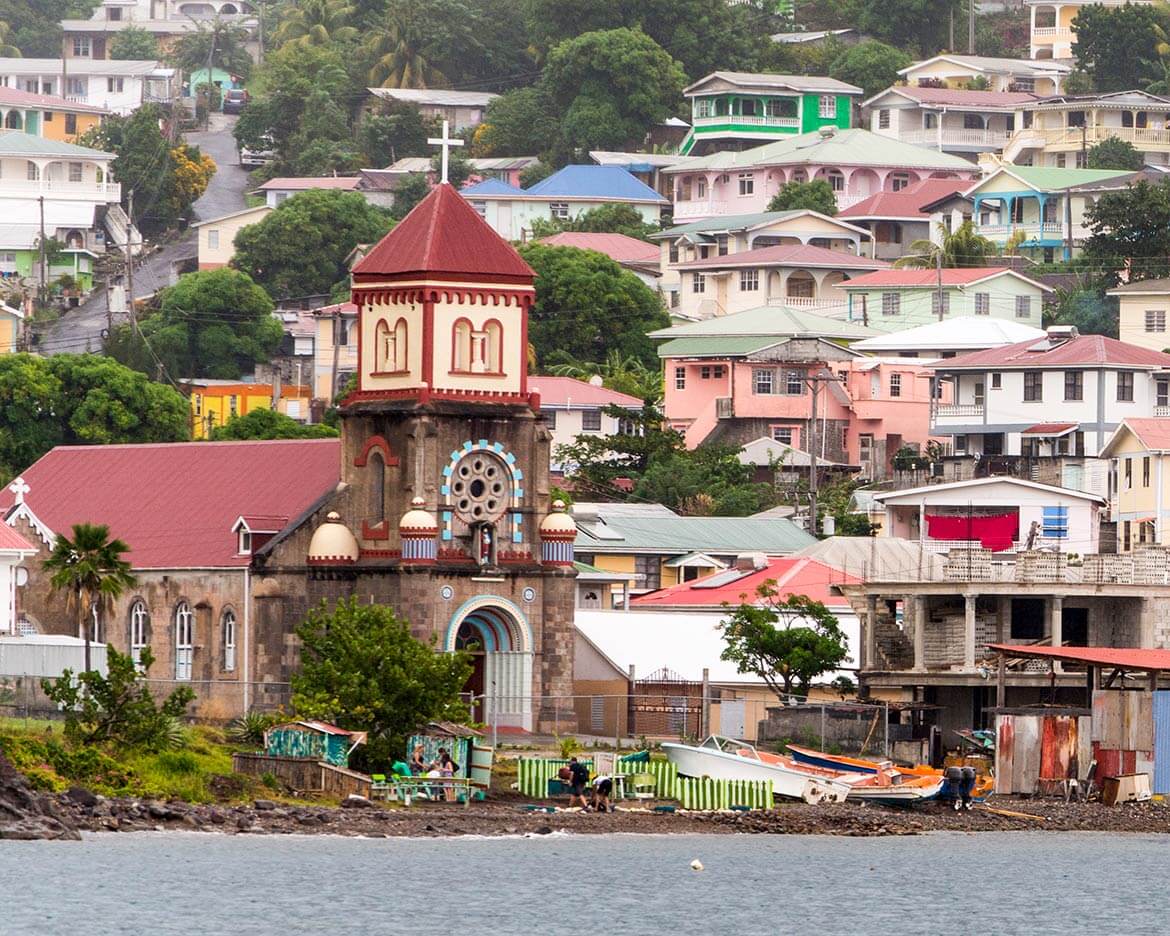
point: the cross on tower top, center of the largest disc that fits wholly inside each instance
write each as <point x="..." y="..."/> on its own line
<point x="446" y="141"/>
<point x="19" y="487"/>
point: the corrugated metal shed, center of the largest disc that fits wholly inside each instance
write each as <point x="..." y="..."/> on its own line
<point x="48" y="655"/>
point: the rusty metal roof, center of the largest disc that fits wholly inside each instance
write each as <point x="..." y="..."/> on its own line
<point x="1131" y="658"/>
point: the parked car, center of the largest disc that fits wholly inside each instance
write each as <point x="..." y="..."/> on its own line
<point x="234" y="101"/>
<point x="261" y="155"/>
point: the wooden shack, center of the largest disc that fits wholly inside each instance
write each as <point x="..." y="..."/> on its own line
<point x="312" y="740"/>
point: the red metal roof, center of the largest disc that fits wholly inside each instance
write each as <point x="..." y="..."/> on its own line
<point x="797" y="255"/>
<point x="443" y="234"/>
<point x="908" y="202"/>
<point x="288" y="183"/>
<point x="17" y="98"/>
<point x="954" y="276"/>
<point x="1084" y="350"/>
<point x="1050" y="429"/>
<point x="338" y="308"/>
<point x="619" y="247"/>
<point x="1153" y="433"/>
<point x="566" y="391"/>
<point x="175" y="504"/>
<point x="792" y="577"/>
<point x="961" y="97"/>
<point x="11" y="541"/>
<point x="1125" y="657"/>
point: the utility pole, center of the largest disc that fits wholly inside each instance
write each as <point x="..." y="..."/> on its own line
<point x="938" y="258"/>
<point x="974" y="4"/>
<point x="44" y="255"/>
<point x="812" y="458"/>
<point x="1084" y="149"/>
<point x="130" y="264"/>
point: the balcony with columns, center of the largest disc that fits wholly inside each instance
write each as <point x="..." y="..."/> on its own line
<point x="58" y="179"/>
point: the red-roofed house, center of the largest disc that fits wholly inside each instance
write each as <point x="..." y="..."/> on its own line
<point x="639" y="257"/>
<point x="905" y="297"/>
<point x="183" y="510"/>
<point x="572" y="407"/>
<point x="797" y="275"/>
<point x="277" y="190"/>
<point x="897" y="219"/>
<point x="951" y="120"/>
<point x="1140" y="452"/>
<point x="1062" y="395"/>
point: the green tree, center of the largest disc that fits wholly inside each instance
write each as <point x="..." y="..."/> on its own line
<point x="409" y="192"/>
<point x="522" y="122"/>
<point x="397" y="130"/>
<point x="787" y="640"/>
<point x="962" y="247"/>
<point x="587" y="306"/>
<point x="90" y="569"/>
<point x="34" y="29"/>
<point x="607" y="219"/>
<point x="361" y="669"/>
<point x="623" y="374"/>
<point x="119" y="708"/>
<point x="1131" y="230"/>
<point x="459" y="168"/>
<point x="816" y="195"/>
<point x="610" y="88"/>
<point x="921" y="24"/>
<point x="269" y="424"/>
<point x="873" y="66"/>
<point x="316" y="22"/>
<point x="134" y="43"/>
<point x="222" y="42"/>
<point x="537" y="172"/>
<point x="1090" y="310"/>
<point x="424" y="43"/>
<point x="214" y="323"/>
<point x="300" y="248"/>
<point x="1117" y="46"/>
<point x="1114" y="153"/>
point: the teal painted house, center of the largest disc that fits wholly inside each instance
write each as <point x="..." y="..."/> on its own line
<point x="737" y="110"/>
<point x="313" y="740"/>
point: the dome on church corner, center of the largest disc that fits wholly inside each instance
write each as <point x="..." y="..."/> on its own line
<point x="333" y="543"/>
<point x="418" y="519"/>
<point x="557" y="534"/>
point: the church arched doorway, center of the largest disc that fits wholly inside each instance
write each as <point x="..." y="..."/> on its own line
<point x="495" y="633"/>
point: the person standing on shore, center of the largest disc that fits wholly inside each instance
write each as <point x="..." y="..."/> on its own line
<point x="578" y="780"/>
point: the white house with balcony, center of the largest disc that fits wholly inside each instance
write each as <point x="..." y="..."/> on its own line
<point x="991" y="74"/>
<point x="1062" y="395"/>
<point x="1057" y="131"/>
<point x="119" y="87"/>
<point x="1001" y="514"/>
<point x="1051" y="33"/>
<point x="950" y="120"/>
<point x="855" y="163"/>
<point x="1047" y="205"/>
<point x="729" y="235"/>
<point x="166" y="20"/>
<point x="78" y="193"/>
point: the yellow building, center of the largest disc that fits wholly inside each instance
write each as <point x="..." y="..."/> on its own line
<point x="11" y="324"/>
<point x="1140" y="451"/>
<point x="335" y="350"/>
<point x="217" y="236"/>
<point x="47" y="116"/>
<point x="1144" y="309"/>
<point x="216" y="402"/>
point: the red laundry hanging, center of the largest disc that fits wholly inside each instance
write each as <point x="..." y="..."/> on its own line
<point x="996" y="533"/>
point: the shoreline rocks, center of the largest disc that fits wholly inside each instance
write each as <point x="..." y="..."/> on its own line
<point x="28" y="815"/>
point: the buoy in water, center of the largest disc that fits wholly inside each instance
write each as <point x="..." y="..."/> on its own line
<point x="696" y="865"/>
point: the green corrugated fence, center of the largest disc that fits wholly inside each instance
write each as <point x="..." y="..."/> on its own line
<point x="665" y="776"/>
<point x="706" y="793"/>
<point x="534" y="773"/>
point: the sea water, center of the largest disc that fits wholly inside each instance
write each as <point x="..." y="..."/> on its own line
<point x="604" y="885"/>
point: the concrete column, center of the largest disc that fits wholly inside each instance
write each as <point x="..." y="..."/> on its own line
<point x="969" y="632"/>
<point x="919" y="633"/>
<point x="1146" y="623"/>
<point x="868" y="635"/>
<point x="1056" y="625"/>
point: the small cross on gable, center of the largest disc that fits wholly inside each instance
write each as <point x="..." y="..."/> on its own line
<point x="446" y="141"/>
<point x="19" y="487"/>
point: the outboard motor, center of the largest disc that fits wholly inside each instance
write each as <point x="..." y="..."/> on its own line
<point x="953" y="786"/>
<point x="967" y="784"/>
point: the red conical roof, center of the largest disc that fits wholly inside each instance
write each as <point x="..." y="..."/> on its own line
<point x="443" y="234"/>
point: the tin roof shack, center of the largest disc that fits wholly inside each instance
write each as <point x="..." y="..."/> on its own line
<point x="313" y="740"/>
<point x="459" y="740"/>
<point x="1130" y="713"/>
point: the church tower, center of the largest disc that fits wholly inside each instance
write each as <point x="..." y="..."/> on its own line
<point x="445" y="461"/>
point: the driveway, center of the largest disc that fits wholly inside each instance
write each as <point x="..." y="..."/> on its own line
<point x="80" y="329"/>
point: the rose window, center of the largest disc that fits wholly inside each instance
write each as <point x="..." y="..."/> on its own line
<point x="479" y="488"/>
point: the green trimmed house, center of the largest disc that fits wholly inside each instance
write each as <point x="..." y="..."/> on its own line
<point x="737" y="110"/>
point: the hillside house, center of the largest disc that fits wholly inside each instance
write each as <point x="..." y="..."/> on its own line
<point x="119" y="87"/>
<point x="217" y="236"/>
<point x="896" y="220"/>
<point x="462" y="109"/>
<point x="950" y="120"/>
<point x="1143" y="308"/>
<point x="998" y="74"/>
<point x="571" y="408"/>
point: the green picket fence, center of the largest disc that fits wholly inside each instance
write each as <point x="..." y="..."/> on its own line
<point x="665" y="776"/>
<point x="704" y="793"/>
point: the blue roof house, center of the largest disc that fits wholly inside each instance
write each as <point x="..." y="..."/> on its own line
<point x="565" y="194"/>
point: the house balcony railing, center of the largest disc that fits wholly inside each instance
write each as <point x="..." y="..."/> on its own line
<point x="1097" y="133"/>
<point x="1052" y="32"/>
<point x="1162" y="410"/>
<point x="63" y="190"/>
<point x="957" y="136"/>
<point x="737" y="120"/>
<point x="952" y="410"/>
<point x="1031" y="228"/>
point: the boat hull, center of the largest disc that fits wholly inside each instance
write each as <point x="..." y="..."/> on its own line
<point x="723" y="765"/>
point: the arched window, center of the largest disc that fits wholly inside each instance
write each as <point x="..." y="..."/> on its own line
<point x="461" y="346"/>
<point x="493" y="345"/>
<point x="184" y="640"/>
<point x="229" y="640"/>
<point x="381" y="346"/>
<point x="377" y="468"/>
<point x="390" y="344"/>
<point x="139" y="629"/>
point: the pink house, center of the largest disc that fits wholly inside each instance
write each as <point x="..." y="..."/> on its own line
<point x="856" y="164"/>
<point x="741" y="377"/>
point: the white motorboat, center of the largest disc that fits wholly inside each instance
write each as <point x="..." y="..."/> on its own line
<point x="728" y="759"/>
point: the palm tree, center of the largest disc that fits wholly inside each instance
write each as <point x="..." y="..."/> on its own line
<point x="403" y="51"/>
<point x="623" y="374"/>
<point x="91" y="569"/>
<point x="7" y="49"/>
<point x="317" y="22"/>
<point x="962" y="247"/>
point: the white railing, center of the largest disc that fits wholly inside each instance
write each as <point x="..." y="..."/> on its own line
<point x="959" y="409"/>
<point x="1032" y="228"/>
<point x="1096" y="133"/>
<point x="846" y="199"/>
<point x="744" y="121"/>
<point x="957" y="137"/>
<point x="1162" y="410"/>
<point x="1052" y="32"/>
<point x="82" y="191"/>
<point x="945" y="546"/>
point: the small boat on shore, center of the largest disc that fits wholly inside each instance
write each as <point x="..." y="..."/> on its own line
<point x="728" y="759"/>
<point x="901" y="784"/>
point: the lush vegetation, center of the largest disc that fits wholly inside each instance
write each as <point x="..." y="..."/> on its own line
<point x="269" y="424"/>
<point x="1131" y="231"/>
<point x="816" y="195"/>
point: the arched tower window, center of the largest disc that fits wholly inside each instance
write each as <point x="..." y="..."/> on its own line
<point x="461" y="349"/>
<point x="390" y="344"/>
<point x="139" y="629"/>
<point x="229" y="640"/>
<point x="184" y="640"/>
<point x="493" y="347"/>
<point x="377" y="468"/>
